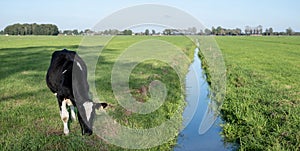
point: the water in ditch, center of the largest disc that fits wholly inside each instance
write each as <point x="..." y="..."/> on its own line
<point x="197" y="97"/>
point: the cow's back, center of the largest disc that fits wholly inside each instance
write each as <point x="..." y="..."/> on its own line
<point x="67" y="71"/>
<point x="56" y="68"/>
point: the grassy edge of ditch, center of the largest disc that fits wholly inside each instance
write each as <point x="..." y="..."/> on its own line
<point x="142" y="76"/>
<point x="254" y="107"/>
<point x="261" y="107"/>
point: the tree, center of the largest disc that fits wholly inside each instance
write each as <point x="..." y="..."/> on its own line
<point x="127" y="32"/>
<point x="1" y="32"/>
<point x="67" y="32"/>
<point x="289" y="31"/>
<point x="267" y="32"/>
<point x="238" y="31"/>
<point x="75" y="32"/>
<point x="193" y="30"/>
<point x="251" y="31"/>
<point x="201" y="32"/>
<point x="270" y="31"/>
<point x="115" y="32"/>
<point x="167" y="32"/>
<point x="247" y="30"/>
<point x="220" y="30"/>
<point x="147" y="32"/>
<point x="153" y="32"/>
<point x="213" y="30"/>
<point x="207" y="31"/>
<point x="90" y="32"/>
<point x="260" y="29"/>
<point x="31" y="29"/>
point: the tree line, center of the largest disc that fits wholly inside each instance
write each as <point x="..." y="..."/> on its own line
<point x="50" y="29"/>
<point x="31" y="29"/>
<point x="91" y="32"/>
<point x="256" y="30"/>
<point x="219" y="31"/>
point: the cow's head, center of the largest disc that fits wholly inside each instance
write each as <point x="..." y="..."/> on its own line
<point x="87" y="115"/>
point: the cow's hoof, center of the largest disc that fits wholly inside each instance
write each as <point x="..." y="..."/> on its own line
<point x="66" y="132"/>
<point x="87" y="133"/>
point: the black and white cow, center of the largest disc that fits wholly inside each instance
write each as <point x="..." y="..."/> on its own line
<point x="67" y="79"/>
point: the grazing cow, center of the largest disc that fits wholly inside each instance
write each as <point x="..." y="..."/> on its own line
<point x="67" y="79"/>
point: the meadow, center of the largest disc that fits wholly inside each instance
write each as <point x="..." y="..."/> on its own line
<point x="29" y="111"/>
<point x="261" y="108"/>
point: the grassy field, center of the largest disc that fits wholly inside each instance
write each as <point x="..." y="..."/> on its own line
<point x="261" y="108"/>
<point x="29" y="116"/>
<point x="262" y="105"/>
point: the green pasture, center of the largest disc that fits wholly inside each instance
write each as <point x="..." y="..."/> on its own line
<point x="261" y="109"/>
<point x="262" y="104"/>
<point x="29" y="114"/>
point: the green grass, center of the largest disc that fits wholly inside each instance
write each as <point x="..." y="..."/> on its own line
<point x="261" y="109"/>
<point x="29" y="116"/>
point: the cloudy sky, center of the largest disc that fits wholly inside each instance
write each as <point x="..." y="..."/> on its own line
<point x="83" y="14"/>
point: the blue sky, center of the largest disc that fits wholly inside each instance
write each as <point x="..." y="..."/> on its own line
<point x="83" y="14"/>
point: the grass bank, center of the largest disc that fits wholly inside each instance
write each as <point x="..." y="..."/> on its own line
<point x="262" y="104"/>
<point x="140" y="78"/>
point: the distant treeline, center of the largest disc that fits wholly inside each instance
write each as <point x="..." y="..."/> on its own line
<point x="50" y="29"/>
<point x="258" y="30"/>
<point x="31" y="29"/>
<point x="219" y="31"/>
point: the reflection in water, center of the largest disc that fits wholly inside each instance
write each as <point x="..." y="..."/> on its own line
<point x="197" y="98"/>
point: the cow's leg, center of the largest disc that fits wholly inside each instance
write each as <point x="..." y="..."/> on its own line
<point x="73" y="115"/>
<point x="65" y="116"/>
<point x="69" y="103"/>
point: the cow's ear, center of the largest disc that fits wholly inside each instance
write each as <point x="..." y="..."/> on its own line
<point x="98" y="106"/>
<point x="104" y="105"/>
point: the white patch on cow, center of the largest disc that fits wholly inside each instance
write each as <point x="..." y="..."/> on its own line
<point x="78" y="64"/>
<point x="66" y="129"/>
<point x="64" y="71"/>
<point x="88" y="106"/>
<point x="70" y="104"/>
<point x="65" y="116"/>
<point x="73" y="115"/>
<point x="55" y="94"/>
